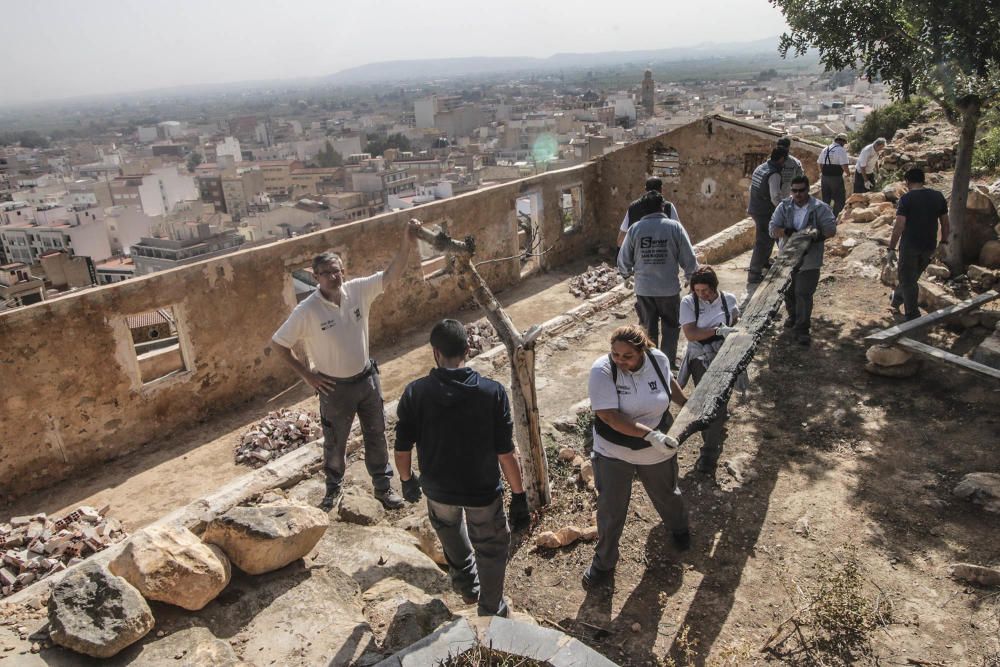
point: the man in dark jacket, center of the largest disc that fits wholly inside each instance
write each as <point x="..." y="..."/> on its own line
<point x="646" y="204"/>
<point x="461" y="425"/>
<point x="765" y="195"/>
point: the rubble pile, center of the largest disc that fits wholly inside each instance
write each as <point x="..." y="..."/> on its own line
<point x="277" y="434"/>
<point x="482" y="336"/>
<point x="35" y="546"/>
<point x="924" y="147"/>
<point x="595" y="280"/>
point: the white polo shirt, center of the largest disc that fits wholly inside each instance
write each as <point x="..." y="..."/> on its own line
<point x="838" y="155"/>
<point x="710" y="314"/>
<point x="335" y="337"/>
<point x="639" y="396"/>
<point x="867" y="159"/>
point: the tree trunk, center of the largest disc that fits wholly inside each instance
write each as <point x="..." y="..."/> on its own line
<point x="971" y="111"/>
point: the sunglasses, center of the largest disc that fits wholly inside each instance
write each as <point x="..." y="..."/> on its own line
<point x="800" y="189"/>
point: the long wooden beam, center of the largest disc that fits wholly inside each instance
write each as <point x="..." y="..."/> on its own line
<point x="888" y="336"/>
<point x="924" y="350"/>
<point x="711" y="395"/>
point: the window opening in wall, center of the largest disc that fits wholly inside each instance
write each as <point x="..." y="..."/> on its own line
<point x="666" y="164"/>
<point x="751" y="161"/>
<point x="571" y="208"/>
<point x="528" y="210"/>
<point x="303" y="282"/>
<point x="156" y="342"/>
<point x="434" y="263"/>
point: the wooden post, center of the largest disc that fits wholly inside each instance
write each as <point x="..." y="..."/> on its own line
<point x="520" y="351"/>
<point x="711" y="395"/>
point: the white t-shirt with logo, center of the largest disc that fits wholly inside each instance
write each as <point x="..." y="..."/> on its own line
<point x="335" y="337"/>
<point x="709" y="314"/>
<point x="639" y="396"/>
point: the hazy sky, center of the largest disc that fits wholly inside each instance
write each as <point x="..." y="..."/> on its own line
<point x="65" y="48"/>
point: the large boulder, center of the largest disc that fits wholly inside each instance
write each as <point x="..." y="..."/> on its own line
<point x="982" y="488"/>
<point x="261" y="539"/>
<point x="419" y="526"/>
<point x="400" y="614"/>
<point x="904" y="370"/>
<point x="887" y="355"/>
<point x="989" y="256"/>
<point x="988" y="352"/>
<point x="363" y="510"/>
<point x="170" y="564"/>
<point x="93" y="612"/>
<point x="191" y="647"/>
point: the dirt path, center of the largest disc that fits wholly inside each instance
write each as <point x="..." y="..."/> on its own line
<point x="150" y="483"/>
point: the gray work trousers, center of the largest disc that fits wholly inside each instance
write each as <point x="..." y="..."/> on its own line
<point x="799" y="299"/>
<point x="665" y="311"/>
<point x="476" y="548"/>
<point x="613" y="479"/>
<point x="336" y="410"/>
<point x="832" y="189"/>
<point x="762" y="246"/>
<point x="912" y="263"/>
<point x="714" y="434"/>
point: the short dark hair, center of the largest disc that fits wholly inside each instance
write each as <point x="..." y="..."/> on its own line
<point x="705" y="275"/>
<point x="778" y="153"/>
<point x="654" y="184"/>
<point x="449" y="338"/>
<point x="327" y="258"/>
<point x="915" y="175"/>
<point x="784" y="142"/>
<point x="801" y="179"/>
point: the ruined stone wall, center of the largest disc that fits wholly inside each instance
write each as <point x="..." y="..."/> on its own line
<point x="71" y="390"/>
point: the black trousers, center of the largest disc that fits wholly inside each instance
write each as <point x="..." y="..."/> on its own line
<point x="799" y="299"/>
<point x="912" y="263"/>
<point x="661" y="313"/>
<point x="833" y="190"/>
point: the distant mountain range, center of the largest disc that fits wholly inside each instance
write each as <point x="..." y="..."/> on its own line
<point x="404" y="70"/>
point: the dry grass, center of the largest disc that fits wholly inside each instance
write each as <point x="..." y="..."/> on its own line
<point x="483" y="656"/>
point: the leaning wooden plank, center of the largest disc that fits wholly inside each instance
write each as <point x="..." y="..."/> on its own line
<point x="924" y="350"/>
<point x="712" y="393"/>
<point x="887" y="336"/>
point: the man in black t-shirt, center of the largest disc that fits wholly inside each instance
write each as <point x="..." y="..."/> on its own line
<point x="918" y="215"/>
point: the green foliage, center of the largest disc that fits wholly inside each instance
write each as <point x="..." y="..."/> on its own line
<point x="986" y="156"/>
<point x="26" y="139"/>
<point x="193" y="160"/>
<point x="885" y="121"/>
<point x="377" y="145"/>
<point x="328" y="157"/>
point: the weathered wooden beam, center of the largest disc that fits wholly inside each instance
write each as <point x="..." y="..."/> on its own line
<point x="709" y="398"/>
<point x="924" y="350"/>
<point x="520" y="351"/>
<point x="888" y="336"/>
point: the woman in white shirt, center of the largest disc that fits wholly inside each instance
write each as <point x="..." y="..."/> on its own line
<point x="706" y="317"/>
<point x="630" y="390"/>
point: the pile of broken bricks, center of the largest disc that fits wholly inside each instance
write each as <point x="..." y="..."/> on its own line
<point x="35" y="546"/>
<point x="481" y="336"/>
<point x="595" y="280"/>
<point x="277" y="434"/>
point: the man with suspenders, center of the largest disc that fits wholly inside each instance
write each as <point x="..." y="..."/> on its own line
<point x="834" y="165"/>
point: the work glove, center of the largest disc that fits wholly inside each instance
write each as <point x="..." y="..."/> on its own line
<point x="411" y="489"/>
<point x="520" y="517"/>
<point x="890" y="257"/>
<point x="662" y="442"/>
<point x="723" y="330"/>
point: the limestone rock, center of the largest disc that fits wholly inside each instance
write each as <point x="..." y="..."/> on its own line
<point x="864" y="214"/>
<point x="857" y="199"/>
<point x="568" y="535"/>
<point x="548" y="540"/>
<point x="979" y="199"/>
<point x="877" y="198"/>
<point x="192" y="647"/>
<point x="400" y="614"/>
<point x="904" y="370"/>
<point x="587" y="472"/>
<point x="887" y="355"/>
<point x="988" y="352"/>
<point x="170" y="564"/>
<point x="261" y="539"/>
<point x="93" y="612"/>
<point x="976" y="574"/>
<point x="565" y="424"/>
<point x="938" y="271"/>
<point x="981" y="275"/>
<point x="886" y="219"/>
<point x="989" y="256"/>
<point x="982" y="488"/>
<point x="567" y="454"/>
<point x="419" y="526"/>
<point x="739" y="467"/>
<point x="362" y="510"/>
<point x="310" y="492"/>
<point x="589" y="534"/>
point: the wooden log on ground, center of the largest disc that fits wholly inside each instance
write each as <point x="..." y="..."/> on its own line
<point x="933" y="353"/>
<point x="888" y="336"/>
<point x="711" y="395"/>
<point x="520" y="351"/>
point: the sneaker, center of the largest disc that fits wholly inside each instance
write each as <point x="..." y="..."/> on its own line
<point x="682" y="540"/>
<point x="332" y="497"/>
<point x="389" y="499"/>
<point x="595" y="577"/>
<point x="804" y="339"/>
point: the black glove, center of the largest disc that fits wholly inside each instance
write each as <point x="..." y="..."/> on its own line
<point x="520" y="517"/>
<point x="411" y="489"/>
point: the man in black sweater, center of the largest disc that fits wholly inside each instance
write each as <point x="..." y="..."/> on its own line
<point x="461" y="425"/>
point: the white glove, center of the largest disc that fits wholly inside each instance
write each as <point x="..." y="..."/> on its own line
<point x="662" y="442"/>
<point x="723" y="330"/>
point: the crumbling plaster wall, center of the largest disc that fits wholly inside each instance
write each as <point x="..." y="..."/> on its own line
<point x="70" y="388"/>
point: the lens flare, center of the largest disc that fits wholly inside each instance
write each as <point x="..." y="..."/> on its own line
<point x="546" y="148"/>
